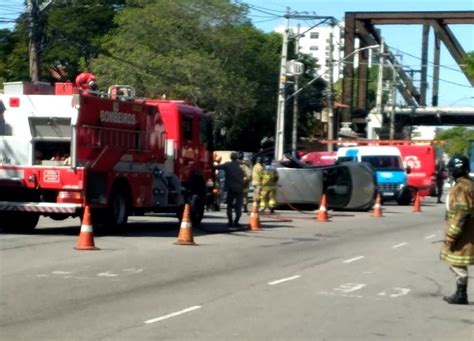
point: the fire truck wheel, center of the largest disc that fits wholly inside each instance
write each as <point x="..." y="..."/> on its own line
<point x="11" y="222"/>
<point x="118" y="208"/>
<point x="197" y="209"/>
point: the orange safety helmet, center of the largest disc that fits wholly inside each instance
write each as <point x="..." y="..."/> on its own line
<point x="86" y="81"/>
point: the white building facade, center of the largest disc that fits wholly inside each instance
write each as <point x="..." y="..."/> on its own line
<point x="316" y="43"/>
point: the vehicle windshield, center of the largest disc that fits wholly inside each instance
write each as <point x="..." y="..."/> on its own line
<point x="383" y="162"/>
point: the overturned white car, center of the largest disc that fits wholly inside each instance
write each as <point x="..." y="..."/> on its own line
<point x="348" y="186"/>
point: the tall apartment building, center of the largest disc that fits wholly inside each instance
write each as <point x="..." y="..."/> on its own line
<point x="316" y="42"/>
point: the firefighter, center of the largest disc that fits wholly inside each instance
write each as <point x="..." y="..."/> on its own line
<point x="440" y="171"/>
<point x="215" y="200"/>
<point x="245" y="166"/>
<point x="257" y="179"/>
<point x="458" y="248"/>
<point x="269" y="179"/>
<point x="234" y="183"/>
<point x="86" y="82"/>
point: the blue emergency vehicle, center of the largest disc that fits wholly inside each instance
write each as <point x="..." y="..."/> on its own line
<point x="386" y="162"/>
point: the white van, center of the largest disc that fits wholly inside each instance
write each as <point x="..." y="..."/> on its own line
<point x="387" y="165"/>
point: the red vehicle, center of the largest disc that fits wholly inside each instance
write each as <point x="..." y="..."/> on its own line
<point x="421" y="159"/>
<point x="61" y="150"/>
<point x="319" y="158"/>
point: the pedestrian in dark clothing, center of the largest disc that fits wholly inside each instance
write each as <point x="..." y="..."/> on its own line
<point x="234" y="183"/>
<point x="440" y="176"/>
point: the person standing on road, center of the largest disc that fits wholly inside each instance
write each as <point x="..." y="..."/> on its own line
<point x="440" y="176"/>
<point x="245" y="165"/>
<point x="257" y="180"/>
<point x="458" y="248"/>
<point x="234" y="183"/>
<point x="268" y="183"/>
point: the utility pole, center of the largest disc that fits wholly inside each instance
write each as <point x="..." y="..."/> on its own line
<point x="32" y="7"/>
<point x="295" y="99"/>
<point x="393" y="101"/>
<point x="330" y="90"/>
<point x="378" y="98"/>
<point x="280" y="118"/>
<point x="436" y="60"/>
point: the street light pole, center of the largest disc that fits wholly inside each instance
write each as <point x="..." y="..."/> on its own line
<point x="379" y="93"/>
<point x="280" y="118"/>
<point x="294" y="140"/>
<point x="330" y="91"/>
<point x="393" y="95"/>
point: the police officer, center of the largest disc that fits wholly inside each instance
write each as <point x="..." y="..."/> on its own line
<point x="269" y="179"/>
<point x="234" y="183"/>
<point x="458" y="248"/>
<point x="257" y="179"/>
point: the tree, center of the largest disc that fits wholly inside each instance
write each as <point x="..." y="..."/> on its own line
<point x="70" y="34"/>
<point x="73" y="32"/>
<point x="457" y="140"/>
<point x="469" y="64"/>
<point x="14" y="54"/>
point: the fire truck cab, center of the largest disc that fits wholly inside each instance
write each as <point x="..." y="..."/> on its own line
<point x="63" y="148"/>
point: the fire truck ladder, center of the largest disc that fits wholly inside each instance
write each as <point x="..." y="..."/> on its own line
<point x="112" y="144"/>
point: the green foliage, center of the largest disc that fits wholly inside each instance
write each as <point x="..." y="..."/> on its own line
<point x="73" y="30"/>
<point x="469" y="65"/>
<point x="14" y="65"/>
<point x="457" y="140"/>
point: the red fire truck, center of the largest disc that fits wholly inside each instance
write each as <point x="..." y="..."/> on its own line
<point x="63" y="148"/>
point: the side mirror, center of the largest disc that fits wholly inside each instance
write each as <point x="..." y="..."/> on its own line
<point x="408" y="169"/>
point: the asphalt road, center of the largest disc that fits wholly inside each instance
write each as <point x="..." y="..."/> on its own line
<point x="354" y="278"/>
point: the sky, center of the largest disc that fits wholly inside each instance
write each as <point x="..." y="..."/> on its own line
<point x="404" y="41"/>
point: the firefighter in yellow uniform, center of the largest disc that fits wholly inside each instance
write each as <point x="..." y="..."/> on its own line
<point x="257" y="180"/>
<point x="245" y="166"/>
<point x="269" y="181"/>
<point x="458" y="248"/>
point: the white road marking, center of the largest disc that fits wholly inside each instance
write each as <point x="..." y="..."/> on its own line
<point x="41" y="275"/>
<point x="353" y="259"/>
<point x="338" y="294"/>
<point x="350" y="287"/>
<point x="58" y="272"/>
<point x="161" y="318"/>
<point x="75" y="277"/>
<point x="398" y="292"/>
<point x="401" y="292"/>
<point x="106" y="274"/>
<point x="284" y="280"/>
<point x="399" y="245"/>
<point x="132" y="270"/>
<point x="430" y="236"/>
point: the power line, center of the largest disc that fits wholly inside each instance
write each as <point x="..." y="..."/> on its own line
<point x="429" y="63"/>
<point x="262" y="9"/>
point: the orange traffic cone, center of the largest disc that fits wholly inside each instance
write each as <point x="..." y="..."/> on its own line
<point x="322" y="212"/>
<point x="186" y="229"/>
<point x="377" y="207"/>
<point x="417" y="204"/>
<point x="86" y="237"/>
<point x="254" y="223"/>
